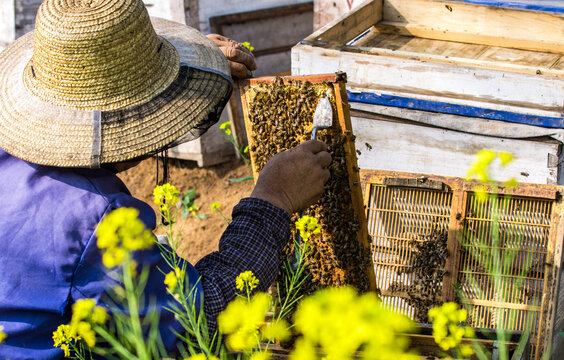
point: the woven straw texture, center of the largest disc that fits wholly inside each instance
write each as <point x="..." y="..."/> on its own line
<point x="46" y="113"/>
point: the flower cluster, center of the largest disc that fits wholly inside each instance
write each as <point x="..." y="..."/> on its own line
<point x="226" y="127"/>
<point x="166" y="196"/>
<point x="446" y="330"/>
<point x="480" y="170"/>
<point x="241" y="320"/>
<point x="307" y="226"/>
<point x="172" y="279"/>
<point x="84" y="314"/>
<point x="2" y="334"/>
<point x="120" y="232"/>
<point x="248" y="45"/>
<point x="214" y="206"/>
<point x="246" y="280"/>
<point x="341" y="323"/>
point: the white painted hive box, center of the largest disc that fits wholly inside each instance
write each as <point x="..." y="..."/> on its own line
<point x="433" y="82"/>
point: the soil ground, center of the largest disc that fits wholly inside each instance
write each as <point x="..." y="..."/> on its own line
<point x="212" y="184"/>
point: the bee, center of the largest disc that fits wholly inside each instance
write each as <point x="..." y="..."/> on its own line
<point x="284" y="113"/>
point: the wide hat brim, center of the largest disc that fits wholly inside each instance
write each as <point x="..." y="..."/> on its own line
<point x="42" y="133"/>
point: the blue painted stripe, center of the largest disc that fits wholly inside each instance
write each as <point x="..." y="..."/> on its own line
<point x="455" y="109"/>
<point x="549" y="6"/>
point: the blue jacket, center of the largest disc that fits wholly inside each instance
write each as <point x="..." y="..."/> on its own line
<point x="49" y="257"/>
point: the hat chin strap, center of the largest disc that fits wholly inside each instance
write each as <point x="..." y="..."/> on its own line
<point x="96" y="139"/>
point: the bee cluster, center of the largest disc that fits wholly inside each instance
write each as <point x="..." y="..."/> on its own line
<point x="425" y="273"/>
<point x="281" y="117"/>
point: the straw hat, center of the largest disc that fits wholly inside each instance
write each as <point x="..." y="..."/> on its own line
<point x="98" y="82"/>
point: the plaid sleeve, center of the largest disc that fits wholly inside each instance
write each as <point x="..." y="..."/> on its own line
<point x="253" y="241"/>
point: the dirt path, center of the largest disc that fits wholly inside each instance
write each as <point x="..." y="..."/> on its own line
<point x="199" y="237"/>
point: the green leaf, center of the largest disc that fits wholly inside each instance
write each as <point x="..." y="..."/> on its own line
<point x="185" y="212"/>
<point x="190" y="195"/>
<point x="242" y="179"/>
<point x="201" y="216"/>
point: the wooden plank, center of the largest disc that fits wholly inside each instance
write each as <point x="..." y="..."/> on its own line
<point x="541" y="191"/>
<point x="503" y="129"/>
<point x="380" y="38"/>
<point x="217" y="22"/>
<point x="455" y="226"/>
<point x="534" y="59"/>
<point x="501" y="305"/>
<point x="424" y="150"/>
<point x="473" y="23"/>
<point x="559" y="65"/>
<point x="349" y="25"/>
<point x="353" y="170"/>
<point x="243" y="87"/>
<point x="495" y="89"/>
<point x="405" y="43"/>
<point x="555" y="322"/>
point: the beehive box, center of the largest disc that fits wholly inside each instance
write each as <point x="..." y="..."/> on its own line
<point x="432" y="82"/>
<point x="425" y="228"/>
<point x="278" y="116"/>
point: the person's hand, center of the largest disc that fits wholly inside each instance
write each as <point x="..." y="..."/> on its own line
<point x="294" y="179"/>
<point x="241" y="60"/>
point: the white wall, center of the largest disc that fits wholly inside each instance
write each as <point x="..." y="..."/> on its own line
<point x="7" y="23"/>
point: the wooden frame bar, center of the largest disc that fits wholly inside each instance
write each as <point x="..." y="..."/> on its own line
<point x="337" y="81"/>
<point x="549" y="310"/>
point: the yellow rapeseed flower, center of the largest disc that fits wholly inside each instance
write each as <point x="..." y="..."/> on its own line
<point x="248" y="45"/>
<point x="511" y="183"/>
<point x="303" y="350"/>
<point x="447" y="332"/>
<point x="202" y="356"/>
<point x="505" y="158"/>
<point x="341" y="322"/>
<point x="278" y="330"/>
<point x="63" y="335"/>
<point x="173" y="278"/>
<point x="82" y="309"/>
<point x="119" y="232"/>
<point x="3" y="335"/>
<point x="215" y="205"/>
<point x="85" y="331"/>
<point x="66" y="349"/>
<point x="241" y="320"/>
<point x="246" y="280"/>
<point x="307" y="226"/>
<point x="113" y="257"/>
<point x="479" y="168"/>
<point x="99" y="315"/>
<point x="263" y="355"/>
<point x="165" y="196"/>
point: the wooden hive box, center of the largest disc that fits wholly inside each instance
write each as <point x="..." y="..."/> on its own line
<point x="432" y="239"/>
<point x="432" y="82"/>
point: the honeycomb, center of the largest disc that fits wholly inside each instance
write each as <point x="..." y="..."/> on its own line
<point x="280" y="116"/>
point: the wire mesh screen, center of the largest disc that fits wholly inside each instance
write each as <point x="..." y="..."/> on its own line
<point x="503" y="255"/>
<point x="409" y="230"/>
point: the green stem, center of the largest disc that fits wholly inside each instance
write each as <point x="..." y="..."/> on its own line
<point x="133" y="307"/>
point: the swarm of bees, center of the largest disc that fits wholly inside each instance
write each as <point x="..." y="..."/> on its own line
<point x="426" y="274"/>
<point x="281" y="117"/>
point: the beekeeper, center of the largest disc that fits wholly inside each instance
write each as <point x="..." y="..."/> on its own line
<point x="95" y="87"/>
